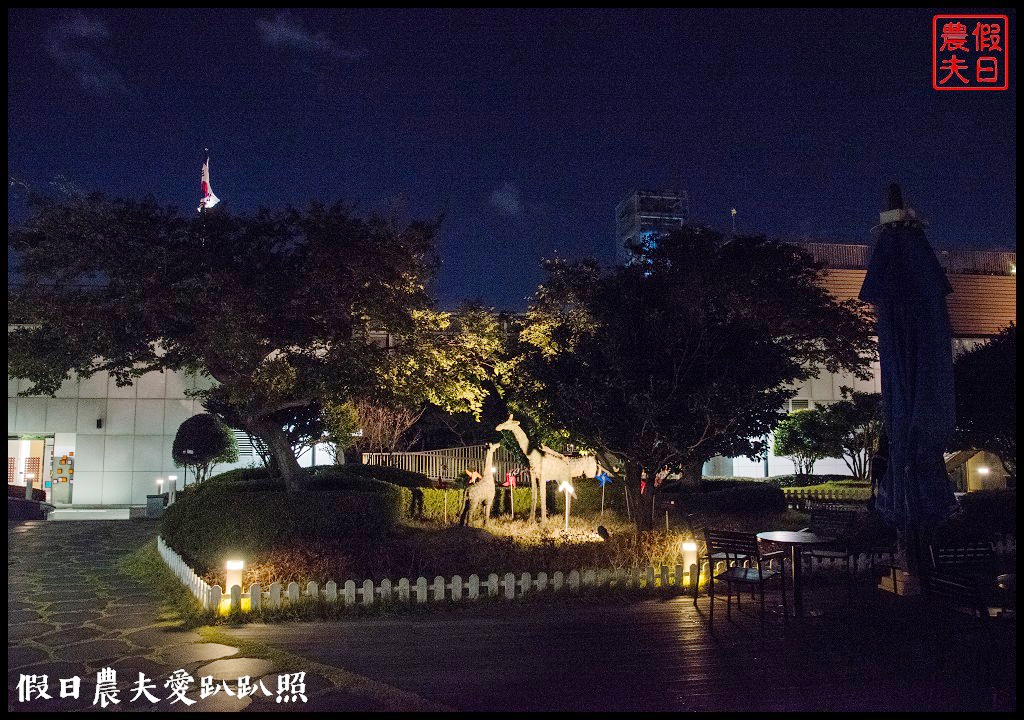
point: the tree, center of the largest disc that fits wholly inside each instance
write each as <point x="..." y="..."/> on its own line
<point x="852" y="428"/>
<point x="281" y="308"/>
<point x="201" y="442"/>
<point x="804" y="438"/>
<point x="384" y="427"/>
<point x="341" y="423"/>
<point x="686" y="354"/>
<point x="986" y="398"/>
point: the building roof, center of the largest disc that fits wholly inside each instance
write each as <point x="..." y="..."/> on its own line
<point x="979" y="306"/>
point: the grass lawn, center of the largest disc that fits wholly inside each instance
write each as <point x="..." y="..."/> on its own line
<point x="426" y="548"/>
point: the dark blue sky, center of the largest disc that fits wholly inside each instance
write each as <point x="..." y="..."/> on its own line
<point x="524" y="128"/>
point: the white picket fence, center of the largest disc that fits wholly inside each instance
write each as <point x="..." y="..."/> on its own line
<point x="800" y="495"/>
<point x="196" y="585"/>
<point x="456" y="589"/>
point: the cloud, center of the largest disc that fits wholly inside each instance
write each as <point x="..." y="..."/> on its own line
<point x="66" y="43"/>
<point x="287" y="31"/>
<point x="506" y="199"/>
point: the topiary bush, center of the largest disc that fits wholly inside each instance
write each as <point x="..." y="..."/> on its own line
<point x="395" y="476"/>
<point x="213" y="521"/>
<point x="18" y="491"/>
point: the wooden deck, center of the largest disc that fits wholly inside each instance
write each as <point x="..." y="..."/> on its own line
<point x="880" y="653"/>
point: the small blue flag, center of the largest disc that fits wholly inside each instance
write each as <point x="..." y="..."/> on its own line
<point x="603" y="478"/>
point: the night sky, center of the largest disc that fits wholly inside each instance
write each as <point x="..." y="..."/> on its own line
<point x="524" y="128"/>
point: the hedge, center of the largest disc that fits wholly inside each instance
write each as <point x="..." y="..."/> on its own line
<point x="395" y="476"/>
<point x="210" y="522"/>
<point x="588" y="497"/>
<point x="18" y="491"/>
<point x="986" y="514"/>
<point x="711" y="498"/>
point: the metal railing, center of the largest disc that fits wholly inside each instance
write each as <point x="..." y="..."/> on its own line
<point x="449" y="463"/>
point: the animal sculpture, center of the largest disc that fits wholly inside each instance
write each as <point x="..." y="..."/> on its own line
<point x="479" y="494"/>
<point x="547" y="465"/>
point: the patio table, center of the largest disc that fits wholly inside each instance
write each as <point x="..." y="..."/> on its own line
<point x="796" y="540"/>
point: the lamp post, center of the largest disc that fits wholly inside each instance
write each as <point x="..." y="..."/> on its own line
<point x="569" y="491"/>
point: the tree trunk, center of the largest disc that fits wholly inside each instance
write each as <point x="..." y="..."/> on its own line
<point x="280" y="453"/>
<point x="643" y="506"/>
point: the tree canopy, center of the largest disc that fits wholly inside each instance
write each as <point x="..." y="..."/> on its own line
<point x="201" y="442"/>
<point x="282" y="308"/>
<point x="686" y="354"/>
<point x="986" y="398"/>
<point x="804" y="438"/>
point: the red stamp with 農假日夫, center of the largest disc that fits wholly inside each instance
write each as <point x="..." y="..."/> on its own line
<point x="970" y="52"/>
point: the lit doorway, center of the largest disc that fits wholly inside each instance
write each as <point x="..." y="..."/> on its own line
<point x="28" y="459"/>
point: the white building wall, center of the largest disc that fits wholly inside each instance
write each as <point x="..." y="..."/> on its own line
<point x="118" y="463"/>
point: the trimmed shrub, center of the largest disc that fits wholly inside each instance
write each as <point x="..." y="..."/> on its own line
<point x="784" y="481"/>
<point x="588" y="497"/>
<point x="215" y="520"/>
<point x="18" y="491"/>
<point x="740" y="498"/>
<point x="395" y="476"/>
<point x="986" y="514"/>
<point x="201" y="442"/>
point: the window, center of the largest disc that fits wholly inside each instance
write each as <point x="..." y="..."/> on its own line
<point x="799" y="404"/>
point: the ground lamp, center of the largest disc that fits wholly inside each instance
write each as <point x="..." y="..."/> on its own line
<point x="233" y="574"/>
<point x="29" y="477"/>
<point x="569" y="491"/>
<point x="689" y="554"/>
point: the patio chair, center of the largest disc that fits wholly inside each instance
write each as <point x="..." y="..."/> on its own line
<point x="712" y="559"/>
<point x="702" y="555"/>
<point x="969" y="559"/>
<point x="736" y="547"/>
<point x="956" y="603"/>
<point x="837" y="521"/>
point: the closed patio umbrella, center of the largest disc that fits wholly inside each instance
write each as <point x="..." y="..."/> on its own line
<point x="908" y="288"/>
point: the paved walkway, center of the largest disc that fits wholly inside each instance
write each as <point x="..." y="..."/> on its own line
<point x="659" y="656"/>
<point x="71" y="613"/>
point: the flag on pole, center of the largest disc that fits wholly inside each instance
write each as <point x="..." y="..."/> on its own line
<point x="209" y="199"/>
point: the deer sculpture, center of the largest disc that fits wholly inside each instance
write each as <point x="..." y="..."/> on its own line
<point x="480" y="493"/>
<point x="547" y="465"/>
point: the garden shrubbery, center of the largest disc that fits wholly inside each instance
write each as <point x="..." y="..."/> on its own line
<point x="395" y="476"/>
<point x="18" y="491"/>
<point x="986" y="515"/>
<point x="784" y="481"/>
<point x="211" y="521"/>
<point x="725" y="496"/>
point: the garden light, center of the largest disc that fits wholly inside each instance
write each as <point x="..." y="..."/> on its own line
<point x="234" y="574"/>
<point x="569" y="491"/>
<point x="689" y="555"/>
<point x="983" y="470"/>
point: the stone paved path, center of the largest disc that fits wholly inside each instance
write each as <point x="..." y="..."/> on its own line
<point x="71" y="613"/>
